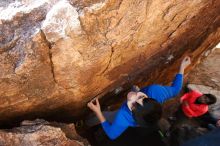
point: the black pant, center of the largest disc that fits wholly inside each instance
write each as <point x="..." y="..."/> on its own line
<point x="206" y="119"/>
<point x="138" y="136"/>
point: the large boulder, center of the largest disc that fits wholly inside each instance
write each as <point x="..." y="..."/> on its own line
<point x="41" y="132"/>
<point x="56" y="55"/>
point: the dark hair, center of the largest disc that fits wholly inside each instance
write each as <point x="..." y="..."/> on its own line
<point x="212" y="99"/>
<point x="149" y="113"/>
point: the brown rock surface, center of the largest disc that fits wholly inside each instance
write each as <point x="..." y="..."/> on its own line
<point x="208" y="72"/>
<point x="40" y="132"/>
<point x="57" y="55"/>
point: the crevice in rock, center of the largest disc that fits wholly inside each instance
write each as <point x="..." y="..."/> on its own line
<point x="107" y="40"/>
<point x="178" y="26"/>
<point x="109" y="62"/>
<point x="83" y="28"/>
<point x="8" y="46"/>
<point x="172" y="32"/>
<point x="49" y="54"/>
<point x="111" y="49"/>
<point x="174" y="16"/>
<point x="116" y="7"/>
<point x="167" y="10"/>
<point x="148" y="4"/>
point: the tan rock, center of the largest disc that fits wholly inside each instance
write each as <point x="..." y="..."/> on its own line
<point x="40" y="132"/>
<point x="55" y="56"/>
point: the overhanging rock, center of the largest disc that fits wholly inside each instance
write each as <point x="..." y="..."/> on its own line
<point x="57" y="55"/>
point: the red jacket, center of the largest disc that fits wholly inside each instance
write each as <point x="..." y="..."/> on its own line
<point x="189" y="107"/>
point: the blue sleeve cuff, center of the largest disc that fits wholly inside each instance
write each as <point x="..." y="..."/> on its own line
<point x="105" y="123"/>
<point x="180" y="75"/>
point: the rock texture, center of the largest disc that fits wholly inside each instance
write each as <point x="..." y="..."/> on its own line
<point x="56" y="55"/>
<point x="40" y="132"/>
<point x="207" y="73"/>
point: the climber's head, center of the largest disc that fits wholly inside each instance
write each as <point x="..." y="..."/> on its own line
<point x="131" y="96"/>
<point x="135" y="94"/>
<point x="145" y="110"/>
<point x="206" y="99"/>
<point x="135" y="97"/>
<point x="149" y="112"/>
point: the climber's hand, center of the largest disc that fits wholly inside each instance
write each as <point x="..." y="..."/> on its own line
<point x="94" y="106"/>
<point x="185" y="62"/>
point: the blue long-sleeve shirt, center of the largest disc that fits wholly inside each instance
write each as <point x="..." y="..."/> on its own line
<point x="124" y="118"/>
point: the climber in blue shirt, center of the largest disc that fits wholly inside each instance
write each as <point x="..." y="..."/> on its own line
<point x="141" y="107"/>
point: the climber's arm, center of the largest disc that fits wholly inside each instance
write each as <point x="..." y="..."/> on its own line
<point x="176" y="86"/>
<point x="112" y="130"/>
<point x="163" y="93"/>
<point x="184" y="64"/>
<point x="115" y="129"/>
<point x="96" y="109"/>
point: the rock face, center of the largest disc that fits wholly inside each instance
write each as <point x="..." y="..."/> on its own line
<point x="56" y="55"/>
<point x="207" y="73"/>
<point x="40" y="132"/>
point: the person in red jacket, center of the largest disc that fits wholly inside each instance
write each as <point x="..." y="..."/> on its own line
<point x="196" y="105"/>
